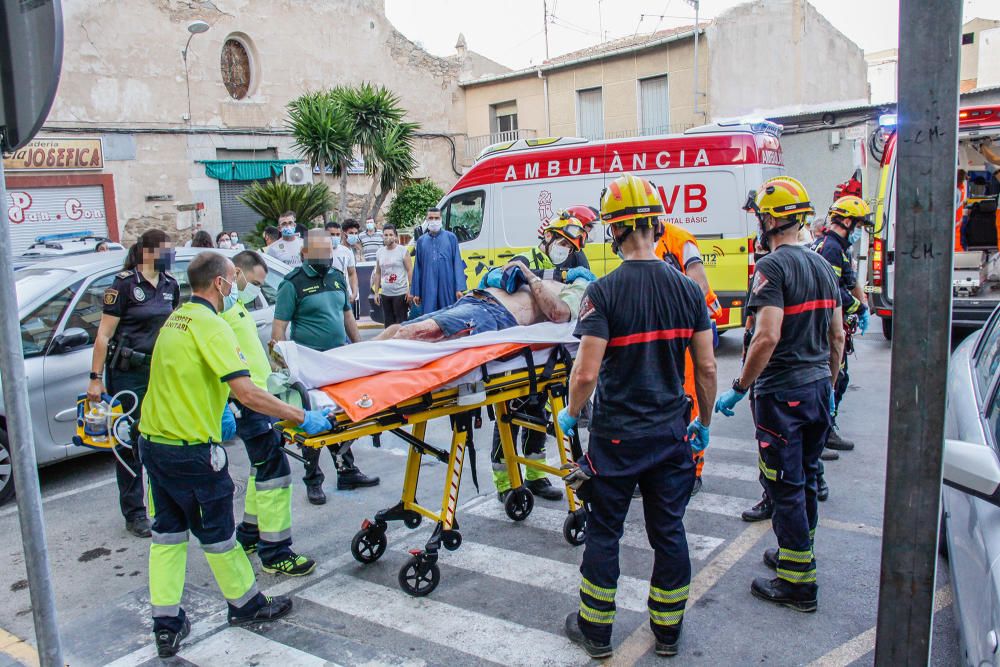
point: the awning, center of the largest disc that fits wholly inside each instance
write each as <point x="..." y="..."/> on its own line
<point x="244" y="170"/>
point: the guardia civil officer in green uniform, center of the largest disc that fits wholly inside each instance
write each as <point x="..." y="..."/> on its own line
<point x="267" y="512"/>
<point x="136" y="305"/>
<point x="313" y="299"/>
<point x="197" y="363"/>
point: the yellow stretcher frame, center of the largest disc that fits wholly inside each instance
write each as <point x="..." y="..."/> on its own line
<point x="420" y="574"/>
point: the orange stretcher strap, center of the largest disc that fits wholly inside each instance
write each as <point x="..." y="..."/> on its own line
<point x="394" y="387"/>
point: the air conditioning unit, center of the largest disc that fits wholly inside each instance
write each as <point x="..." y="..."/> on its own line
<point x="298" y="174"/>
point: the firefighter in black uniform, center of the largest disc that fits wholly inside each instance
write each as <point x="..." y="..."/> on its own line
<point x="792" y="362"/>
<point x="136" y="305"/>
<point x="635" y="325"/>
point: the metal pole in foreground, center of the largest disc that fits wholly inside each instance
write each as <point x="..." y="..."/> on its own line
<point x="929" y="38"/>
<point x="22" y="441"/>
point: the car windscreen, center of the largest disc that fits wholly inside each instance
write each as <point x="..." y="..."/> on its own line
<point x="32" y="282"/>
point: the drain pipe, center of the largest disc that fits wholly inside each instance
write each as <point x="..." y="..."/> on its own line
<point x="545" y="100"/>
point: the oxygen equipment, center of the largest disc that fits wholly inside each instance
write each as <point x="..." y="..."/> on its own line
<point x="103" y="425"/>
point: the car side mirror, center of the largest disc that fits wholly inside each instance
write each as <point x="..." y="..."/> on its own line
<point x="972" y="468"/>
<point x="70" y="339"/>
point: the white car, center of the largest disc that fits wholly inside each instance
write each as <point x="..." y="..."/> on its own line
<point x="59" y="306"/>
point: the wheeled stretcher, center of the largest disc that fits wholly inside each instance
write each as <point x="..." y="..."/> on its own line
<point x="516" y="372"/>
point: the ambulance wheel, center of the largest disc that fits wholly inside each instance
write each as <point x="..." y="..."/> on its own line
<point x="412" y="520"/>
<point x="6" y="470"/>
<point x="418" y="577"/>
<point x="519" y="504"/>
<point x="368" y="545"/>
<point x="451" y="539"/>
<point x="575" y="528"/>
<point x="887" y="327"/>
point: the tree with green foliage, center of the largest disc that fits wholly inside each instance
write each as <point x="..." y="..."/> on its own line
<point x="411" y="203"/>
<point x="272" y="198"/>
<point x="323" y="134"/>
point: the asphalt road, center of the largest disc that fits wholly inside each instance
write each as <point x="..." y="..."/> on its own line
<point x="505" y="591"/>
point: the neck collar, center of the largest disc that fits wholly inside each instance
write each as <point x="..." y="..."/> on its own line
<point x="205" y="302"/>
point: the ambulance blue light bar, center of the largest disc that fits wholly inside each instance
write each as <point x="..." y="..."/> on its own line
<point x="887" y="120"/>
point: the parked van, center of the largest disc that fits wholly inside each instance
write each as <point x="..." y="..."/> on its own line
<point x="976" y="279"/>
<point x="703" y="177"/>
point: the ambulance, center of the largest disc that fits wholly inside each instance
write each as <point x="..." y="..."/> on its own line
<point x="976" y="274"/>
<point x="703" y="177"/>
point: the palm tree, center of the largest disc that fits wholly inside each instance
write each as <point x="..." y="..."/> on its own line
<point x="395" y="163"/>
<point x="323" y="134"/>
<point x="272" y="198"/>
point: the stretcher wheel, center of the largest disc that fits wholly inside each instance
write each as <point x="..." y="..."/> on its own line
<point x="368" y="545"/>
<point x="575" y="528"/>
<point x="412" y="520"/>
<point x="451" y="539"/>
<point x="519" y="504"/>
<point x="419" y="576"/>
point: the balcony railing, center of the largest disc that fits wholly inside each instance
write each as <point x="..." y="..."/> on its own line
<point x="647" y="131"/>
<point x="475" y="145"/>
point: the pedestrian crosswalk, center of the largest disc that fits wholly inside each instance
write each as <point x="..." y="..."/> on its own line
<point x="236" y="646"/>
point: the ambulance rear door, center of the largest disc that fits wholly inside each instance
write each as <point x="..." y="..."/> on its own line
<point x="468" y="214"/>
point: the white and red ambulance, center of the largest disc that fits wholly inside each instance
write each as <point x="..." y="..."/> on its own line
<point x="703" y="177"/>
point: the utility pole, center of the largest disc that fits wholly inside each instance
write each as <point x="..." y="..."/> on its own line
<point x="927" y="145"/>
<point x="697" y="94"/>
<point x="545" y="25"/>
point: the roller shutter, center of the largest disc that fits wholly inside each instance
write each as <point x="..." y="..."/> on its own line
<point x="35" y="212"/>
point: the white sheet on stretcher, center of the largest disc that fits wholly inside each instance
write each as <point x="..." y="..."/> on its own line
<point x="318" y="369"/>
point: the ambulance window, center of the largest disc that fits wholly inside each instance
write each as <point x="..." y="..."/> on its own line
<point x="463" y="215"/>
<point x="987" y="362"/>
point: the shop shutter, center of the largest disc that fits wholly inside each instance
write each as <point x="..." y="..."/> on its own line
<point x="655" y="109"/>
<point x="590" y="113"/>
<point x="236" y="216"/>
<point x="35" y="212"/>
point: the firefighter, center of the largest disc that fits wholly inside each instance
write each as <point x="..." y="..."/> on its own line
<point x="196" y="363"/>
<point x="845" y="219"/>
<point x="792" y="363"/>
<point x="635" y="326"/>
<point x="679" y="248"/>
<point x="559" y="257"/>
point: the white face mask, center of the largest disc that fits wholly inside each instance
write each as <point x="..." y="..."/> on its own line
<point x="370" y="227"/>
<point x="433" y="226"/>
<point x="225" y="243"/>
<point x="249" y="293"/>
<point x="558" y="253"/>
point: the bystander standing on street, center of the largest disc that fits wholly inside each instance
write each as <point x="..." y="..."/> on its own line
<point x="202" y="239"/>
<point x="393" y="273"/>
<point x="288" y="248"/>
<point x="371" y="240"/>
<point x="343" y="259"/>
<point x="271" y="236"/>
<point x="439" y="271"/>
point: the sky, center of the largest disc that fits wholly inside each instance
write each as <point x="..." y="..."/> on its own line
<point x="511" y="32"/>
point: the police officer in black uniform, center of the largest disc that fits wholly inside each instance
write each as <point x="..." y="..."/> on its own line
<point x="791" y="363"/>
<point x="135" y="307"/>
<point x="635" y="326"/>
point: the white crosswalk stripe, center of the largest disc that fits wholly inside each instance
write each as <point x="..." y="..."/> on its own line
<point x="470" y="632"/>
<point x="731" y="471"/>
<point x="235" y="646"/>
<point x="719" y="504"/>
<point x="522" y="568"/>
<point x="699" y="546"/>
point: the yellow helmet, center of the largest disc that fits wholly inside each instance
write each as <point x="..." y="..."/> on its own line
<point x="853" y="208"/>
<point x="629" y="200"/>
<point x="780" y="197"/>
<point x="567" y="226"/>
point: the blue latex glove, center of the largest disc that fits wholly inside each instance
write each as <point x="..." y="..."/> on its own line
<point x="567" y="422"/>
<point x="579" y="272"/>
<point x="833" y="403"/>
<point x="228" y="424"/>
<point x="698" y="435"/>
<point x="316" y="421"/>
<point x="864" y="319"/>
<point x="728" y="401"/>
<point x="715" y="335"/>
<point x="492" y="278"/>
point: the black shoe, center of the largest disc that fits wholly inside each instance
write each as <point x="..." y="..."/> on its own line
<point x="543" y="488"/>
<point x="822" y="489"/>
<point x="666" y="647"/>
<point x="275" y="608"/>
<point x="834" y="441"/>
<point x="829" y="455"/>
<point x="575" y="634"/>
<point x="771" y="558"/>
<point x="249" y="548"/>
<point x="762" y="511"/>
<point x="168" y="642"/>
<point x="353" y="478"/>
<point x="779" y="592"/>
<point x="293" y="566"/>
<point x="502" y="495"/>
<point x="316" y="495"/>
<point x="139" y="527"/>
<point x="697" y="487"/>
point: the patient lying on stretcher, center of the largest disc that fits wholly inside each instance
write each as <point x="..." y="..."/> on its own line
<point x="506" y="298"/>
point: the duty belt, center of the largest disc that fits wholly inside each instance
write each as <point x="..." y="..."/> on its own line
<point x="160" y="440"/>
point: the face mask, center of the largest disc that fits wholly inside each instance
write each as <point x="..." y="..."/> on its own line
<point x="288" y="231"/>
<point x="234" y="238"/>
<point x="558" y="253"/>
<point x="854" y="236"/>
<point x="320" y="264"/>
<point x="229" y="300"/>
<point x="249" y="293"/>
<point x="370" y="227"/>
<point x="225" y="243"/>
<point x="434" y="226"/>
<point x="164" y="261"/>
<point x="335" y="241"/>
<point x="352" y="238"/>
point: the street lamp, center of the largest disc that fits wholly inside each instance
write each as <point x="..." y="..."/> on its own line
<point x="195" y="28"/>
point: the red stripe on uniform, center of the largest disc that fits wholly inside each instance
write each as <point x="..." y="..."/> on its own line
<point x="650" y="336"/>
<point x="819" y="304"/>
